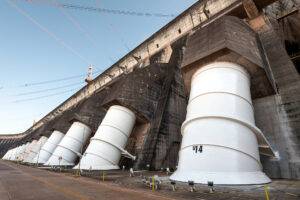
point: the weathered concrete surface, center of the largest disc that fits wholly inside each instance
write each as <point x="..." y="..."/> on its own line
<point x="162" y="140"/>
<point x="268" y="117"/>
<point x="228" y="39"/>
<point x="139" y="91"/>
<point x="288" y="85"/>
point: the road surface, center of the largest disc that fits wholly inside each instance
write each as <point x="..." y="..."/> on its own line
<point x="18" y="182"/>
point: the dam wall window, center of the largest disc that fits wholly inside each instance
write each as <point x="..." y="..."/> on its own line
<point x="293" y="50"/>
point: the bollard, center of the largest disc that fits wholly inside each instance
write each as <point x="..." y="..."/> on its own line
<point x="211" y="186"/>
<point x="168" y="171"/>
<point x="173" y="183"/>
<point x="131" y="172"/>
<point x="191" y="184"/>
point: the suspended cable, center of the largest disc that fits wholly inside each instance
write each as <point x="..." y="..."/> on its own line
<point x="40" y="97"/>
<point x="21" y="117"/>
<point x="44" y="82"/>
<point x="93" y="9"/>
<point x="47" y="31"/>
<point x="41" y="91"/>
<point x="83" y="31"/>
<point x="113" y="26"/>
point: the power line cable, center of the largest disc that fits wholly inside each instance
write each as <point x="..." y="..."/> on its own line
<point x="40" y="97"/>
<point x="50" y="33"/>
<point x="113" y="26"/>
<point x="44" y="82"/>
<point x="83" y="31"/>
<point x="41" y="91"/>
<point x="47" y="31"/>
<point x="93" y="9"/>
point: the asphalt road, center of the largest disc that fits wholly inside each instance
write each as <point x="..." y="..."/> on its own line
<point x="18" y="182"/>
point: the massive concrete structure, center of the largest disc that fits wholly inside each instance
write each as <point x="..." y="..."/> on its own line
<point x="154" y="80"/>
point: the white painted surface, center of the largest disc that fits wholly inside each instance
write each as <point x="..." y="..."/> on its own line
<point x="9" y="153"/>
<point x="18" y="152"/>
<point x="219" y="134"/>
<point x="49" y="147"/>
<point x="20" y="156"/>
<point x="70" y="146"/>
<point x="27" y="150"/>
<point x="13" y="154"/>
<point x="35" y="149"/>
<point x="104" y="150"/>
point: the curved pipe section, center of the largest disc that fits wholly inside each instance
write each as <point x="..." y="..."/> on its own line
<point x="27" y="150"/>
<point x="35" y="149"/>
<point x="70" y="147"/>
<point x="49" y="147"/>
<point x="104" y="151"/>
<point x="13" y="154"/>
<point x="19" y="151"/>
<point x="220" y="139"/>
<point x="19" y="157"/>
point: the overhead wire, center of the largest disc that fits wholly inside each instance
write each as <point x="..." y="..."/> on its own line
<point x="47" y="31"/>
<point x="113" y="26"/>
<point x="40" y="97"/>
<point x="77" y="25"/>
<point x="41" y="91"/>
<point x="93" y="9"/>
<point x="45" y="82"/>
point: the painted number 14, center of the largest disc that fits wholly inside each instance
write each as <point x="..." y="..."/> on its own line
<point x="198" y="149"/>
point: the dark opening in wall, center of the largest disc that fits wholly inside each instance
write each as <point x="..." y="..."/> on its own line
<point x="157" y="45"/>
<point x="179" y="31"/>
<point x="293" y="49"/>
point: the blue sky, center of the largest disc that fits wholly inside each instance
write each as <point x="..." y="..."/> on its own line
<point x="30" y="55"/>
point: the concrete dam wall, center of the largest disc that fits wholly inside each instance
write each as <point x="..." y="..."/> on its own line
<point x="154" y="83"/>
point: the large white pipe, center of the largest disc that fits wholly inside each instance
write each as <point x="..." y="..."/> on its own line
<point x="13" y="153"/>
<point x="9" y="154"/>
<point x="20" y="156"/>
<point x="219" y="141"/>
<point x="35" y="149"/>
<point x="22" y="149"/>
<point x="70" y="146"/>
<point x="48" y="148"/>
<point x="105" y="148"/>
<point x="6" y="155"/>
<point x="27" y="150"/>
<point x="17" y="152"/>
